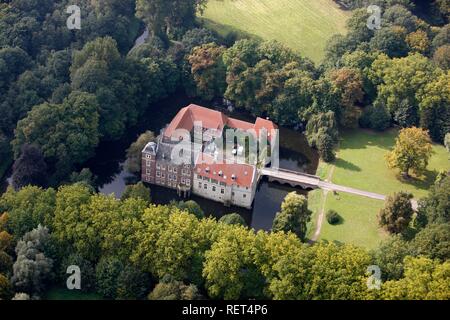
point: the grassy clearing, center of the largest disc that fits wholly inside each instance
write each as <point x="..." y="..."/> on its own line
<point x="65" y="294"/>
<point x="362" y="164"/>
<point x="359" y="224"/>
<point x="303" y="25"/>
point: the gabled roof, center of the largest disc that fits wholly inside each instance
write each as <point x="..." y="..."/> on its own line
<point x="187" y="116"/>
<point x="212" y="119"/>
<point x="224" y="172"/>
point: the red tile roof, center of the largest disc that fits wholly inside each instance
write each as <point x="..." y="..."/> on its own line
<point x="243" y="173"/>
<point x="185" y="119"/>
<point x="212" y="119"/>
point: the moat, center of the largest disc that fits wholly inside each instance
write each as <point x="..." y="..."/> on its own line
<point x="108" y="165"/>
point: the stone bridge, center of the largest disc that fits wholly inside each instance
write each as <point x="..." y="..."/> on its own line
<point x="307" y="181"/>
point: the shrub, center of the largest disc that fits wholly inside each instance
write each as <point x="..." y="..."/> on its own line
<point x="333" y="217"/>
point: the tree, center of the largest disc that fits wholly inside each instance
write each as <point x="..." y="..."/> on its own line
<point x="67" y="133"/>
<point x="333" y="217"/>
<point x="27" y="209"/>
<point x="32" y="268"/>
<point x="233" y="219"/>
<point x="442" y="37"/>
<point x="13" y="62"/>
<point x="397" y="213"/>
<point x="435" y="208"/>
<point x="30" y="168"/>
<point x="391" y="41"/>
<point x="376" y="117"/>
<point x="389" y="257"/>
<point x="196" y="38"/>
<point x="320" y="124"/>
<point x="164" y="17"/>
<point x="6" y="291"/>
<point x="294" y="215"/>
<point x="21" y="296"/>
<point x="325" y="146"/>
<point x="107" y="272"/>
<point x="170" y="289"/>
<point x="433" y="242"/>
<point x="418" y="41"/>
<point x="134" y="152"/>
<point x="208" y="70"/>
<point x="424" y="279"/>
<point x="412" y="151"/>
<point x="70" y="223"/>
<point x="132" y="284"/>
<point x="137" y="191"/>
<point x="442" y="57"/>
<point x="84" y="176"/>
<point x="348" y="85"/>
<point x="400" y="84"/>
<point x="229" y="271"/>
<point x="434" y="103"/>
<point x="86" y="269"/>
<point x="172" y="243"/>
<point x="191" y="207"/>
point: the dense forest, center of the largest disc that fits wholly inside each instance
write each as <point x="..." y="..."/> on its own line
<point x="64" y="91"/>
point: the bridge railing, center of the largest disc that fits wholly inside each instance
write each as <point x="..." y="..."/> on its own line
<point x="293" y="172"/>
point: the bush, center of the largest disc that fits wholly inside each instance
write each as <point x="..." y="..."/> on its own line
<point x="376" y="118"/>
<point x="333" y="217"/>
<point x="233" y="219"/>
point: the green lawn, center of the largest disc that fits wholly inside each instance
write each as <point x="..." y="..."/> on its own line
<point x="361" y="164"/>
<point x="359" y="220"/>
<point x="303" y="25"/>
<point x="65" y="294"/>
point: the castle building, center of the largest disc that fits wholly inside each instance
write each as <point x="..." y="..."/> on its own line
<point x="207" y="170"/>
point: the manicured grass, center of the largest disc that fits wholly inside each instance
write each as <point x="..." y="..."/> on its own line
<point x="362" y="164"/>
<point x="315" y="199"/>
<point x="65" y="294"/>
<point x="303" y="25"/>
<point x="359" y="224"/>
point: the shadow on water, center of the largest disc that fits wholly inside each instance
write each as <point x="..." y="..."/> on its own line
<point x="108" y="165"/>
<point x="295" y="154"/>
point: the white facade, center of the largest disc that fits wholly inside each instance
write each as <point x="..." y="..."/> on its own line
<point x="221" y="192"/>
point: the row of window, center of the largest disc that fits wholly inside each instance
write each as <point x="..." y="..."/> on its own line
<point x="214" y="189"/>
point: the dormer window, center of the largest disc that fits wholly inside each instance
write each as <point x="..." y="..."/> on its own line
<point x="233" y="177"/>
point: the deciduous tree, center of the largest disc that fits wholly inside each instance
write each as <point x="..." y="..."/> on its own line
<point x="294" y="215"/>
<point x="412" y="151"/>
<point x="397" y="213"/>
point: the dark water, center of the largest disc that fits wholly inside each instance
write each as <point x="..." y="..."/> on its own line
<point x="295" y="154"/>
<point x="108" y="166"/>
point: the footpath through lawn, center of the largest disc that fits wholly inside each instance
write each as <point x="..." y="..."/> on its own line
<point x="361" y="164"/>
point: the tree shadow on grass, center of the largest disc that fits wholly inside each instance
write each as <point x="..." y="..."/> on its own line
<point x="423" y="183"/>
<point x="368" y="138"/>
<point x="341" y="163"/>
<point x="226" y="31"/>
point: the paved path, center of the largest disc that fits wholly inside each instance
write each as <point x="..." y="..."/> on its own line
<point x="334" y="187"/>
